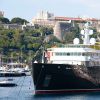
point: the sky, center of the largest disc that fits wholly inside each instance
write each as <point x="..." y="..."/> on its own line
<point x="27" y="9"/>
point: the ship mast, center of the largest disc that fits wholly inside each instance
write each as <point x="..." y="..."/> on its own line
<point x="86" y="32"/>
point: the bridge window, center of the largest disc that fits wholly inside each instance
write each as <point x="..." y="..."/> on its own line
<point x="73" y="54"/>
<point x="68" y="54"/>
<point x="83" y="54"/>
<point x="64" y="53"/>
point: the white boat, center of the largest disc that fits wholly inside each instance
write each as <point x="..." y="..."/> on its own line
<point x="7" y="83"/>
<point x="14" y="69"/>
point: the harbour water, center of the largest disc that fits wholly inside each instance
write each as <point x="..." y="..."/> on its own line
<point x="25" y="91"/>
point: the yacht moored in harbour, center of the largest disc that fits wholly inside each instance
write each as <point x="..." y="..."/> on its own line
<point x="69" y="68"/>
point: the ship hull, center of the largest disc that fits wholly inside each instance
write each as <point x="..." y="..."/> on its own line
<point x="60" y="78"/>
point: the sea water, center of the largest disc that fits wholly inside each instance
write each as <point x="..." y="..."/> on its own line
<point x="25" y="91"/>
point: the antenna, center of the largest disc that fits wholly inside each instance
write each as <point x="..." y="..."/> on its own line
<point x="90" y="32"/>
<point x="86" y="32"/>
<point x="86" y="25"/>
<point x="82" y="32"/>
<point x="76" y="41"/>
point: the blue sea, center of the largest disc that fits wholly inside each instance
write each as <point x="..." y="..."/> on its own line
<point x="25" y="91"/>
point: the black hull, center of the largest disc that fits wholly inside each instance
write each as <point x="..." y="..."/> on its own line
<point x="60" y="78"/>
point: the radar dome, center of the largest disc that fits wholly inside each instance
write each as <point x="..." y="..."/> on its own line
<point x="82" y="32"/>
<point x="92" y="41"/>
<point x="76" y="41"/>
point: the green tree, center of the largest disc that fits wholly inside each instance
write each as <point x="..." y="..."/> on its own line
<point x="69" y="37"/>
<point x="18" y="20"/>
<point x="4" y="20"/>
<point x="46" y="30"/>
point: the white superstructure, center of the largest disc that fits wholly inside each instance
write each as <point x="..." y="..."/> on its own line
<point x="76" y="54"/>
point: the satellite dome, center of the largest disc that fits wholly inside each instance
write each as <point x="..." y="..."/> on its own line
<point x="76" y="41"/>
<point x="92" y="41"/>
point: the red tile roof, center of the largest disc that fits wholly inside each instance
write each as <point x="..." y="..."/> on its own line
<point x="75" y="19"/>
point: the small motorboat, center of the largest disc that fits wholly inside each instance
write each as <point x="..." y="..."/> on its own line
<point x="7" y="83"/>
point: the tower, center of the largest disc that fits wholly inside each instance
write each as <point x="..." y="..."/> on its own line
<point x="57" y="30"/>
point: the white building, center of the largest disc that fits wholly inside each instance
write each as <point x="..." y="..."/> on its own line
<point x="1" y="14"/>
<point x="44" y="19"/>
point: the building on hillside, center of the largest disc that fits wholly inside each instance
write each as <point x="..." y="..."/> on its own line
<point x="61" y="29"/>
<point x="57" y="31"/>
<point x="44" y="19"/>
<point x="17" y="26"/>
<point x="26" y="26"/>
<point x="81" y="21"/>
<point x="98" y="26"/>
<point x="12" y="26"/>
<point x="48" y="19"/>
<point x="1" y="14"/>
